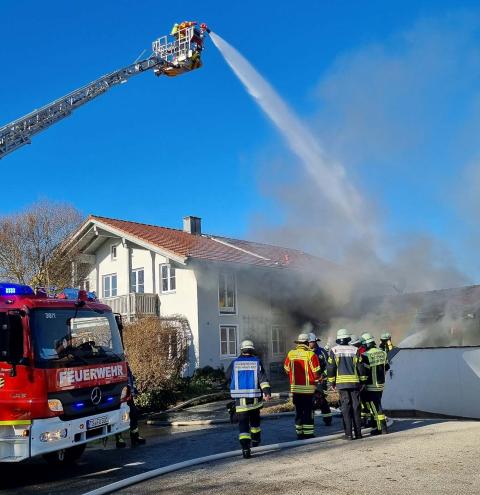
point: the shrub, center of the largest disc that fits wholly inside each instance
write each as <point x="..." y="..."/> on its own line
<point x="157" y="352"/>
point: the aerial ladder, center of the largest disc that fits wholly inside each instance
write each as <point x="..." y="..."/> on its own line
<point x="172" y="55"/>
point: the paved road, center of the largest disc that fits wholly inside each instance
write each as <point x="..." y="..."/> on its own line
<point x="100" y="466"/>
<point x="418" y="457"/>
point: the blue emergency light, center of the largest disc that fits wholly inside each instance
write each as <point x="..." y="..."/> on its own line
<point x="11" y="289"/>
<point x="70" y="293"/>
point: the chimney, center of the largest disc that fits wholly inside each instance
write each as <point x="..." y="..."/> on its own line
<point x="192" y="225"/>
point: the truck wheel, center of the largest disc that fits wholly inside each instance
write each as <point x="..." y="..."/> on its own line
<point x="64" y="457"/>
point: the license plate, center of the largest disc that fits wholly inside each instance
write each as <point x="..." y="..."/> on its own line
<point x="96" y="422"/>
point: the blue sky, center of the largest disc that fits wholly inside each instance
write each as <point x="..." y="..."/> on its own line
<point x="390" y="88"/>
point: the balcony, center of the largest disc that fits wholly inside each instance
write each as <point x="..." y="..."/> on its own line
<point x="133" y="306"/>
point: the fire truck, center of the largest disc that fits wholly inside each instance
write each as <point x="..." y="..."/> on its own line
<point x="63" y="374"/>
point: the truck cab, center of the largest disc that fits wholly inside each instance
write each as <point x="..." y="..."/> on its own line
<point x="63" y="374"/>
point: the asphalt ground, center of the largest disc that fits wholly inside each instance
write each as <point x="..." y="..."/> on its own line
<point x="100" y="465"/>
<point x="417" y="457"/>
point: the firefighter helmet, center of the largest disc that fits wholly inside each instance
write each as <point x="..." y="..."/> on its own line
<point x="355" y="339"/>
<point x="385" y="336"/>
<point x="302" y="338"/>
<point x="343" y="333"/>
<point x="368" y="338"/>
<point x="247" y="345"/>
<point x="312" y="337"/>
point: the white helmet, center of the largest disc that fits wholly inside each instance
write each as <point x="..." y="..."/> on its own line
<point x="302" y="338"/>
<point x="247" y="344"/>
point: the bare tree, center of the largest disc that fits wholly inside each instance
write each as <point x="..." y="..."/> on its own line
<point x="31" y="244"/>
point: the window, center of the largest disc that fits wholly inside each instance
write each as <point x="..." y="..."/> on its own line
<point x="168" y="278"/>
<point x="226" y="293"/>
<point x="278" y="341"/>
<point x="137" y="281"/>
<point x="110" y="285"/>
<point x="113" y="252"/>
<point x="228" y="341"/>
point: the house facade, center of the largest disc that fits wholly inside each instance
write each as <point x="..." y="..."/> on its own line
<point x="227" y="289"/>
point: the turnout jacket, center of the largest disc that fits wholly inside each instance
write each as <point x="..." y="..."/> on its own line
<point x="344" y="368"/>
<point x="248" y="381"/>
<point x="303" y="368"/>
<point x="374" y="365"/>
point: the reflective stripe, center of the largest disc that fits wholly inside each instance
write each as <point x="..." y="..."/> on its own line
<point x="239" y="395"/>
<point x="264" y="385"/>
<point x="302" y="389"/>
<point x="16" y="422"/>
<point x="376" y="416"/>
<point x="326" y="415"/>
<point x="347" y="379"/>
<point x="372" y="388"/>
<point x="244" y="436"/>
<point x="248" y="407"/>
<point x="255" y="430"/>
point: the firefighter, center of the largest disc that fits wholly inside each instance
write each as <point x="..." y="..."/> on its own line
<point x="303" y="369"/>
<point x="359" y="344"/>
<point x="320" y="401"/>
<point x="357" y="341"/>
<point x="135" y="438"/>
<point x="344" y="373"/>
<point x="386" y="342"/>
<point x="248" y="383"/>
<point x="375" y="363"/>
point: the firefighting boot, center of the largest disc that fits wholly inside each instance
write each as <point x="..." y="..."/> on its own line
<point x="384" y="428"/>
<point x="136" y="439"/>
<point x="119" y="441"/>
<point x="246" y="452"/>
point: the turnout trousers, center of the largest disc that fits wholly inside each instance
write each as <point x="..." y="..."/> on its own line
<point x="350" y="405"/>
<point x="320" y="402"/>
<point x="133" y="415"/>
<point x="304" y="422"/>
<point x="374" y="402"/>
<point x="365" y="410"/>
<point x="249" y="428"/>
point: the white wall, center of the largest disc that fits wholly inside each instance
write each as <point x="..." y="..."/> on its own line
<point x="443" y="381"/>
<point x="254" y="316"/>
<point x="105" y="266"/>
<point x="183" y="301"/>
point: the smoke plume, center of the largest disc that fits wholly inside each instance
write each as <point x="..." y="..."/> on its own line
<point x="380" y="130"/>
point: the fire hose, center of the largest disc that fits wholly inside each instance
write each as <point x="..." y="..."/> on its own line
<point x="133" y="480"/>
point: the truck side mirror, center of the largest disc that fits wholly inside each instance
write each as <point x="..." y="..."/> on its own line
<point x="11" y="340"/>
<point x="118" y="319"/>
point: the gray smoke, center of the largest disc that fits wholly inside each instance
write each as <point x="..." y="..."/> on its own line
<point x="380" y="105"/>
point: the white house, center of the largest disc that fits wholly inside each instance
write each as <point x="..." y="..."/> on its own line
<point x="227" y="289"/>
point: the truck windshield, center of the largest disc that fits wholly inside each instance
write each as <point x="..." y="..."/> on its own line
<point x="65" y="337"/>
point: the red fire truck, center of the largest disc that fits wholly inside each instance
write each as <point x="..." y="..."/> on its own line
<point x="63" y="375"/>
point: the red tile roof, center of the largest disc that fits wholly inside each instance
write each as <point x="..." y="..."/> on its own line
<point x="214" y="248"/>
